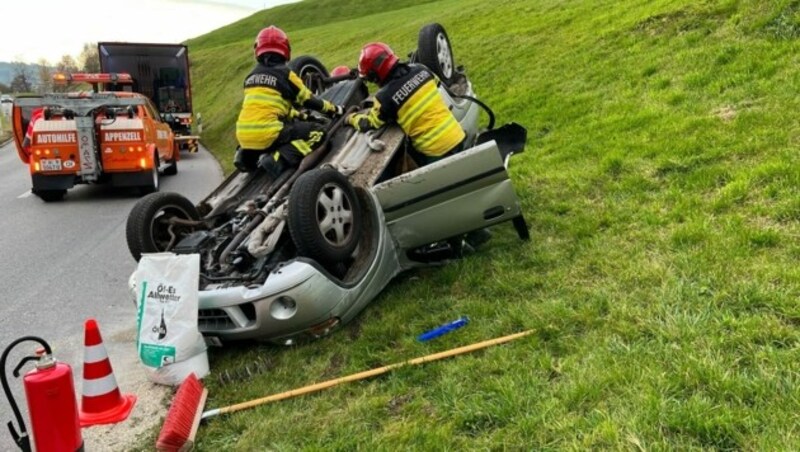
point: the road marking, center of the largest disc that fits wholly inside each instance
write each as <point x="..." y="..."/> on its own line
<point x="24" y="195"/>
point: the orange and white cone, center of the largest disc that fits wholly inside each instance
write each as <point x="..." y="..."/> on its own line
<point x="101" y="401"/>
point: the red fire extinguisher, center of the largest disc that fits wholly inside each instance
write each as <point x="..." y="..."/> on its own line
<point x="50" y="394"/>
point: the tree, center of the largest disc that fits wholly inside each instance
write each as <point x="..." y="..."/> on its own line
<point x="21" y="81"/>
<point x="66" y="65"/>
<point x="89" y="60"/>
<point x="4" y="88"/>
<point x="45" y="76"/>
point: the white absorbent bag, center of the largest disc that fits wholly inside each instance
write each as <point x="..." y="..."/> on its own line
<point x="169" y="343"/>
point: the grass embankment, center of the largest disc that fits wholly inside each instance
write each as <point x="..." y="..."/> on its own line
<point x="661" y="184"/>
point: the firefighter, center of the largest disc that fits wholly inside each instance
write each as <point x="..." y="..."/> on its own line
<point x="408" y="96"/>
<point x="271" y="133"/>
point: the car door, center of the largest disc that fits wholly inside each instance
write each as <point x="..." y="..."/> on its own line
<point x="162" y="134"/>
<point x="461" y="193"/>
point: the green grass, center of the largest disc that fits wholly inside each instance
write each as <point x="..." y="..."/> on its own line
<point x="661" y="184"/>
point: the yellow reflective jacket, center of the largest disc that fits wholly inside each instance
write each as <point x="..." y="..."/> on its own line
<point x="270" y="91"/>
<point x="412" y="99"/>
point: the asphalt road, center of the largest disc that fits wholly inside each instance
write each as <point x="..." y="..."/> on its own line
<point x="62" y="263"/>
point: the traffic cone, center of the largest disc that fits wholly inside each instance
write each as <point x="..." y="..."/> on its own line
<point x="101" y="401"/>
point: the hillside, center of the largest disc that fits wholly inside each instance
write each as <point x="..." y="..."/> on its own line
<point x="661" y="185"/>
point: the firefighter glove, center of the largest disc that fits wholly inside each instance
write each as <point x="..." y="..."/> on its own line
<point x="359" y="122"/>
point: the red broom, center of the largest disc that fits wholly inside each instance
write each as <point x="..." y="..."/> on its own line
<point x="183" y="417"/>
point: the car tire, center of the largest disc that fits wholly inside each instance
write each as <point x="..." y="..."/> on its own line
<point x="320" y="200"/>
<point x="435" y="52"/>
<point x="311" y="71"/>
<point x="146" y="230"/>
<point x="154" y="183"/>
<point x="50" y="195"/>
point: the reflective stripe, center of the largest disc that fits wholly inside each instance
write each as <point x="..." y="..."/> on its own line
<point x="99" y="386"/>
<point x="94" y="353"/>
<point x="434" y="134"/>
<point x="262" y="99"/>
<point x="267" y="97"/>
<point x="304" y="93"/>
<point x="258" y="126"/>
<point x="418" y="109"/>
<point x="301" y="146"/>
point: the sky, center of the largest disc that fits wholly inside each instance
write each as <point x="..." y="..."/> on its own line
<point x="34" y="29"/>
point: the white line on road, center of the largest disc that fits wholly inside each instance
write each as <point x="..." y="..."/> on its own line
<point x="24" y="195"/>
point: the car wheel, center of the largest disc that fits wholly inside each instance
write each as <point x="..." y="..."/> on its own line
<point x="148" y="227"/>
<point x="324" y="216"/>
<point x="172" y="167"/>
<point x="311" y="71"/>
<point x="153" y="184"/>
<point x="50" y="195"/>
<point x="435" y="52"/>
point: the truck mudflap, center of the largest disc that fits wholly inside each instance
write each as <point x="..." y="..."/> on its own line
<point x="52" y="182"/>
<point x="137" y="179"/>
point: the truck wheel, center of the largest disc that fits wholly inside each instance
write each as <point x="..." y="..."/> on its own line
<point x="154" y="183"/>
<point x="172" y="167"/>
<point x="50" y="195"/>
<point x="324" y="216"/>
<point x="435" y="52"/>
<point x="148" y="229"/>
<point x="311" y="71"/>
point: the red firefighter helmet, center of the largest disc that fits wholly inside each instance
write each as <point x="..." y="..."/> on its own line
<point x="339" y="71"/>
<point x="376" y="61"/>
<point x="272" y="39"/>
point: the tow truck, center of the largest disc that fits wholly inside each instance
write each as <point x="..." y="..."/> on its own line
<point x="92" y="137"/>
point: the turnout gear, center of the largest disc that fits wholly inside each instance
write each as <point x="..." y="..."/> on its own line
<point x="376" y="62"/>
<point x="296" y="140"/>
<point x="410" y="97"/>
<point x="272" y="39"/>
<point x="268" y="120"/>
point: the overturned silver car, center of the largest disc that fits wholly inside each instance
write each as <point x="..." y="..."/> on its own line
<point x="295" y="257"/>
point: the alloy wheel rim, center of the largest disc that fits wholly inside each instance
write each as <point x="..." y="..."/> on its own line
<point x="334" y="214"/>
<point x="444" y="55"/>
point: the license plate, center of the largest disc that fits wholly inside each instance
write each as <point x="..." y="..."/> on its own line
<point x="51" y="164"/>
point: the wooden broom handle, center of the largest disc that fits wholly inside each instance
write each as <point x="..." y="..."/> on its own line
<point x="363" y="375"/>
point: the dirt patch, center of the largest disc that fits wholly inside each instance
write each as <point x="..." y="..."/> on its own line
<point x="395" y="406"/>
<point x="259" y="366"/>
<point x="334" y="367"/>
<point x="726" y="113"/>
